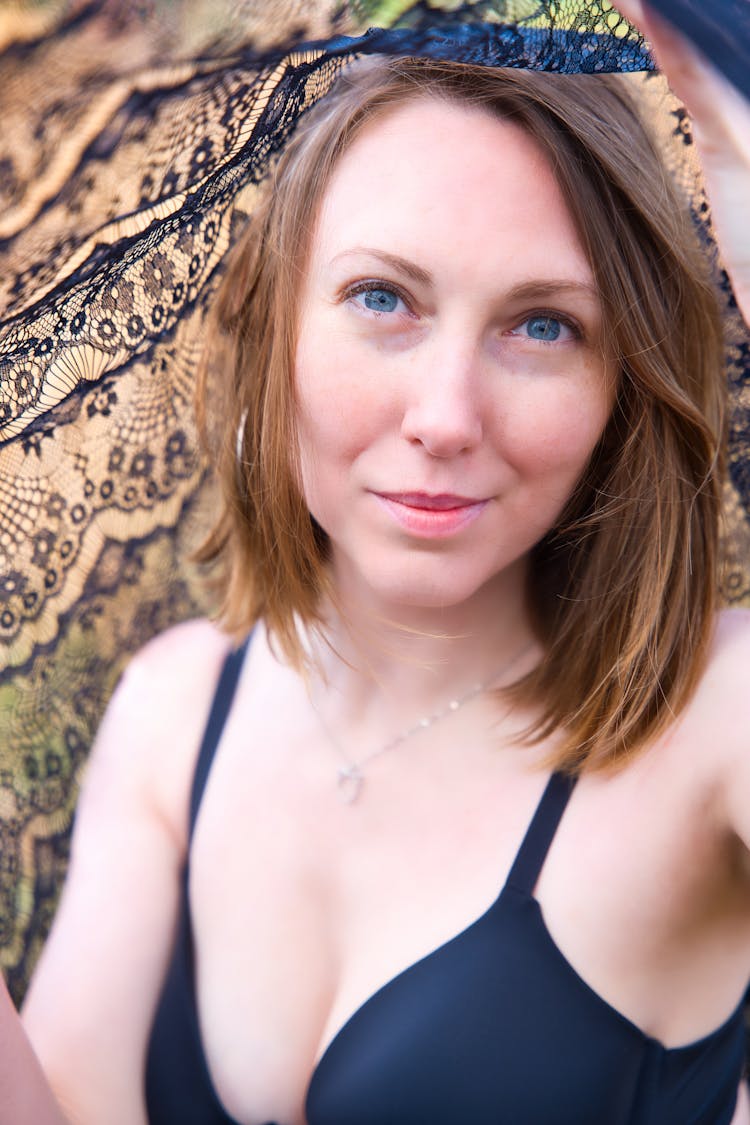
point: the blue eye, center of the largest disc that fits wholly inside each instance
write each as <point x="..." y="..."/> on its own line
<point x="547" y="328"/>
<point x="380" y="300"/>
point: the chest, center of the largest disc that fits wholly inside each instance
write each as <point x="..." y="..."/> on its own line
<point x="301" y="923"/>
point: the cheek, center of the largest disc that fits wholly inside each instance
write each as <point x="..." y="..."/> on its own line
<point x="343" y="407"/>
<point x="553" y="434"/>
<point x="333" y="422"/>
<point x="318" y="401"/>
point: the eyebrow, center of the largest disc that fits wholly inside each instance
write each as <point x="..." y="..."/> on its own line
<point x="402" y="265"/>
<point x="552" y="287"/>
<point x="533" y="289"/>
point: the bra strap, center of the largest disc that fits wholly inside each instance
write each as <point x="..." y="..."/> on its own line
<point x="221" y="703"/>
<point x="539" y="835"/>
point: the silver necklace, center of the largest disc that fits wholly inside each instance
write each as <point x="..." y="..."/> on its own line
<point x="350" y="777"/>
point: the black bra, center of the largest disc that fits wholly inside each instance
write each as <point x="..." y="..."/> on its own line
<point x="494" y="1027"/>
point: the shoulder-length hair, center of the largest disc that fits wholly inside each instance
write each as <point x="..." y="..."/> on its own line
<point x="622" y="590"/>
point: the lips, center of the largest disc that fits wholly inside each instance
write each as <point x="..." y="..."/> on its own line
<point x="431" y="516"/>
<point x="442" y="502"/>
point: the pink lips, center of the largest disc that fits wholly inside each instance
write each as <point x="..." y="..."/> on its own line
<point x="431" y="516"/>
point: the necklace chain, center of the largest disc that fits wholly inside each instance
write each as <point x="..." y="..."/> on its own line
<point x="350" y="777"/>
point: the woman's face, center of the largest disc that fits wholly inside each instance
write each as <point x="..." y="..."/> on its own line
<point x="450" y="380"/>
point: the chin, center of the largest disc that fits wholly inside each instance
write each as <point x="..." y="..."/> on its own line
<point x="436" y="587"/>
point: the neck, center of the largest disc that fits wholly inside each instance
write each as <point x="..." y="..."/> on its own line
<point x="413" y="658"/>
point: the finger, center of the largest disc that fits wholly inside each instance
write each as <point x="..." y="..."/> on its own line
<point x="672" y="51"/>
<point x="716" y="107"/>
<point x="632" y="10"/>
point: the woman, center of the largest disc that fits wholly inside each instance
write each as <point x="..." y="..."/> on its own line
<point x="479" y="434"/>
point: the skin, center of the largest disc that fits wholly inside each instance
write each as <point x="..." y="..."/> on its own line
<point x="720" y="119"/>
<point x="665" y="941"/>
<point x="448" y="392"/>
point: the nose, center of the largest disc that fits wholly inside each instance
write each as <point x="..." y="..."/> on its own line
<point x="443" y="413"/>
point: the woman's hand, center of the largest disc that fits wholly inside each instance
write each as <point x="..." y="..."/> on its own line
<point x="24" y="1093"/>
<point x="721" y="128"/>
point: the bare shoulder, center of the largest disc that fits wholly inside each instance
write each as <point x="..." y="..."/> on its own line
<point x="172" y="675"/>
<point x="726" y="679"/>
<point x="151" y="731"/>
<point x="722" y="698"/>
<point x="733" y="626"/>
<point x="719" y="718"/>
<point x="164" y="690"/>
<point x="711" y="735"/>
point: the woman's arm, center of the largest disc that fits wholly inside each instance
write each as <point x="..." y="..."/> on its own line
<point x="90" y="1005"/>
<point x="721" y="127"/>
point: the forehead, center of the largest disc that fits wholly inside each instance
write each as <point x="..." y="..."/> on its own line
<point x="439" y="179"/>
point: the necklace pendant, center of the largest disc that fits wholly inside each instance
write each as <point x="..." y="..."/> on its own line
<point x="350" y="781"/>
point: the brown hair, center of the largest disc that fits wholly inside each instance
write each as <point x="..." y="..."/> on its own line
<point x="622" y="591"/>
